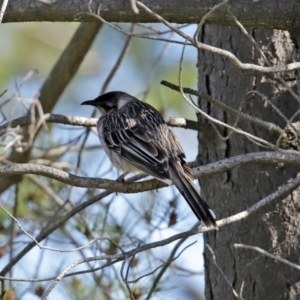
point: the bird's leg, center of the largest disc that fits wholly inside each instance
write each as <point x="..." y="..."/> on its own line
<point x="121" y="178"/>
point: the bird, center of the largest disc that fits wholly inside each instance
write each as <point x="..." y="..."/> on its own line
<point x="135" y="137"/>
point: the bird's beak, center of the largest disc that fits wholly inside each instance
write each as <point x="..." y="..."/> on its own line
<point x="89" y="102"/>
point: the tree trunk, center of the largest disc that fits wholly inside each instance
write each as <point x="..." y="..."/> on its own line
<point x="275" y="228"/>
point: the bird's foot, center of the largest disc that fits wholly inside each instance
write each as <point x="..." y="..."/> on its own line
<point x="122" y="178"/>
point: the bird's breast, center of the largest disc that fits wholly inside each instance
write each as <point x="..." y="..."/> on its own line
<point x="117" y="160"/>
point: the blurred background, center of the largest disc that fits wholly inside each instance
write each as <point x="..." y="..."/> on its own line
<point x="127" y="221"/>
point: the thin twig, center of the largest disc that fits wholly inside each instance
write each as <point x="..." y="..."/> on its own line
<point x="56" y="222"/>
<point x="124" y="278"/>
<point x="284" y="190"/>
<point x="119" y="29"/>
<point x="211" y="119"/>
<point x="15" y="124"/>
<point x="45" y="187"/>
<point x="206" y="16"/>
<point x="2" y="10"/>
<point x="221" y="271"/>
<point x="45" y="247"/>
<point x="279" y="193"/>
<point x="287" y="188"/>
<point x="1" y="94"/>
<point x="65" y="69"/>
<point x="13" y="227"/>
<point x="119" y="61"/>
<point x="278" y="76"/>
<point x="167" y="264"/>
<point x="236" y="62"/>
<point x="134" y="7"/>
<point x="224" y="107"/>
<point x="268" y="254"/>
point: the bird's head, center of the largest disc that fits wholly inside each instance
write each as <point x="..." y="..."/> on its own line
<point x="109" y="102"/>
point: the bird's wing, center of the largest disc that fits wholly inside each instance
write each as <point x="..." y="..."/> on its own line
<point x="136" y="136"/>
<point x="140" y="136"/>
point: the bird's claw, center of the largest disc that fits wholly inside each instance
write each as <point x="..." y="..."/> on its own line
<point x="121" y="178"/>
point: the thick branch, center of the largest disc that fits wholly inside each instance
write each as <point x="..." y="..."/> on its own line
<point x="259" y="14"/>
<point x="244" y="214"/>
<point x="114" y="186"/>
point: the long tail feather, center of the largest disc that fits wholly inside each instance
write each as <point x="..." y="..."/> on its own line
<point x="190" y="191"/>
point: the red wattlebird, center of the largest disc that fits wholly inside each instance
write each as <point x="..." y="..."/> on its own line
<point x="136" y="138"/>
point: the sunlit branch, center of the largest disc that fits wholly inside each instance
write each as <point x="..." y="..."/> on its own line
<point x="152" y="184"/>
<point x="89" y="122"/>
<point x="236" y="62"/>
<point x="287" y="188"/>
<point x="2" y="9"/>
<point x="65" y="68"/>
<point x="268" y="254"/>
<point x="224" y="107"/>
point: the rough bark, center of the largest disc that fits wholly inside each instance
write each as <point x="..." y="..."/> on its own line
<point x="276" y="227"/>
<point x="261" y="14"/>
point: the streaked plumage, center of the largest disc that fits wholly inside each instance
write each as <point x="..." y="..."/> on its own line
<point x="136" y="138"/>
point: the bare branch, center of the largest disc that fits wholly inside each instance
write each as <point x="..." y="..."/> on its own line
<point x="250" y="12"/>
<point x="142" y="36"/>
<point x="284" y="190"/>
<point x="90" y="122"/>
<point x="124" y="278"/>
<point x="224" y="107"/>
<point x="221" y="271"/>
<point x="236" y="62"/>
<point x="59" y="201"/>
<point x="286" y="86"/>
<point x="65" y="69"/>
<point x="252" y="137"/>
<point x="67" y="65"/>
<point x="268" y="254"/>
<point x="2" y="10"/>
<point x="53" y="225"/>
<point x="49" y="248"/>
<point x="134" y="7"/>
<point x="117" y="257"/>
<point x="120" y="58"/>
<point x="111" y="185"/>
<point x="167" y="264"/>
